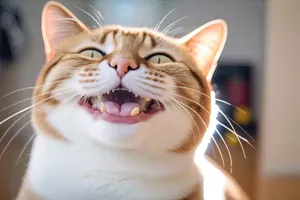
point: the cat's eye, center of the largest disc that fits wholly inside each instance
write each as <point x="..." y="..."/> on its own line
<point x="92" y="53"/>
<point x="159" y="58"/>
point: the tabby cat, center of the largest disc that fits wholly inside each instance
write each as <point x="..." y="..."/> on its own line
<point x="119" y="113"/>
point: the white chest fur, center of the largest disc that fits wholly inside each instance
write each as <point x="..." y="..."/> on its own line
<point x="60" y="170"/>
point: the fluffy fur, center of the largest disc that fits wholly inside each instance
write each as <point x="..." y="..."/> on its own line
<point x="77" y="157"/>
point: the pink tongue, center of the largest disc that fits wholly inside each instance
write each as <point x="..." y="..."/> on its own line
<point x="126" y="108"/>
<point x="113" y="108"/>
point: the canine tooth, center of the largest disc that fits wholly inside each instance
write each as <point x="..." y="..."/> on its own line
<point x="136" y="95"/>
<point x="107" y="92"/>
<point x="147" y="98"/>
<point x="113" y="90"/>
<point x="135" y="111"/>
<point x="102" y="107"/>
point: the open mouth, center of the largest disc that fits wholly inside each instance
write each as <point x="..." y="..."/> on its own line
<point x="121" y="106"/>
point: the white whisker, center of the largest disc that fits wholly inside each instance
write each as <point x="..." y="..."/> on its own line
<point x="156" y="28"/>
<point x="242" y="147"/>
<point x="13" y="137"/>
<point x="191" y="118"/>
<point x="218" y="100"/>
<point x="227" y="148"/>
<point x="242" y="129"/>
<point x="98" y="14"/>
<point x="89" y="15"/>
<point x="31" y="87"/>
<point x="192" y="111"/>
<point x="30" y="98"/>
<point x="27" y="108"/>
<point x="202" y="107"/>
<point x="12" y="125"/>
<point x="172" y="24"/>
<point x="65" y="19"/>
<point x="242" y="138"/>
<point x="176" y="31"/>
<point x="220" y="152"/>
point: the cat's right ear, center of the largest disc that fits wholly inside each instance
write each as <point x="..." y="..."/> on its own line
<point x="58" y="23"/>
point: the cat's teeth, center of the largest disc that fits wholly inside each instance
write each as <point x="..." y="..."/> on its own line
<point x="136" y="95"/>
<point x="135" y="112"/>
<point x="99" y="98"/>
<point x="102" y="107"/>
<point x="147" y="99"/>
<point x="113" y="90"/>
<point x="93" y="101"/>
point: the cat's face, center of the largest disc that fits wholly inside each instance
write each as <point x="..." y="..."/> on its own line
<point x="125" y="87"/>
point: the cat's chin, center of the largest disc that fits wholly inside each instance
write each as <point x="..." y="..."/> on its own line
<point x="118" y="119"/>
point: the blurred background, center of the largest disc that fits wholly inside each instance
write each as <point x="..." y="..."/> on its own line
<point x="256" y="73"/>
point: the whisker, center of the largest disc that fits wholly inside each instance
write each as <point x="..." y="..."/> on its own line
<point x="242" y="138"/>
<point x="88" y="14"/>
<point x="242" y="129"/>
<point x="30" y="98"/>
<point x="234" y="131"/>
<point x="12" y="125"/>
<point x="191" y="110"/>
<point x="191" y="118"/>
<point x="167" y="30"/>
<point x="227" y="148"/>
<point x="242" y="147"/>
<point x="13" y="137"/>
<point x="220" y="152"/>
<point x="214" y="152"/>
<point x="156" y="28"/>
<point x="31" y="88"/>
<point x="163" y="102"/>
<point x="27" y="108"/>
<point x="176" y="31"/>
<point x="147" y="90"/>
<point x="218" y="100"/>
<point x="172" y="24"/>
<point x="180" y="96"/>
<point x="65" y="19"/>
<point x="98" y="14"/>
<point x="98" y="11"/>
<point x="171" y="104"/>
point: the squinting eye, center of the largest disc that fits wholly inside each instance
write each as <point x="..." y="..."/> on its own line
<point x="92" y="53"/>
<point x="159" y="58"/>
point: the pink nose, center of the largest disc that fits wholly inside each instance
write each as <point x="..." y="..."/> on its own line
<point x="123" y="65"/>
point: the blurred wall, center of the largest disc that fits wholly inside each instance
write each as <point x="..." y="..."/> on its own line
<point x="280" y="130"/>
<point x="280" y="134"/>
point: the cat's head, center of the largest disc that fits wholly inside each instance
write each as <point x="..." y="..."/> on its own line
<point x="125" y="87"/>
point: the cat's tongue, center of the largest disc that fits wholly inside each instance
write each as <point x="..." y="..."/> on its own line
<point x="113" y="108"/>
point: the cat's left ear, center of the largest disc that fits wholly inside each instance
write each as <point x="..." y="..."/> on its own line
<point x="206" y="44"/>
<point x="58" y="23"/>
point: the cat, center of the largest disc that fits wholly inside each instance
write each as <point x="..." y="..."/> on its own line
<point x="119" y="113"/>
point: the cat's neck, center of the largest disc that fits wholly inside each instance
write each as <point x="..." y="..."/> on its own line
<point x="168" y="174"/>
<point x="150" y="163"/>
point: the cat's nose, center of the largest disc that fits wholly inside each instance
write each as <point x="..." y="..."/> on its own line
<point x="123" y="65"/>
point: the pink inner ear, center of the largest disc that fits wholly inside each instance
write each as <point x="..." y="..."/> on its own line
<point x="206" y="46"/>
<point x="58" y="23"/>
